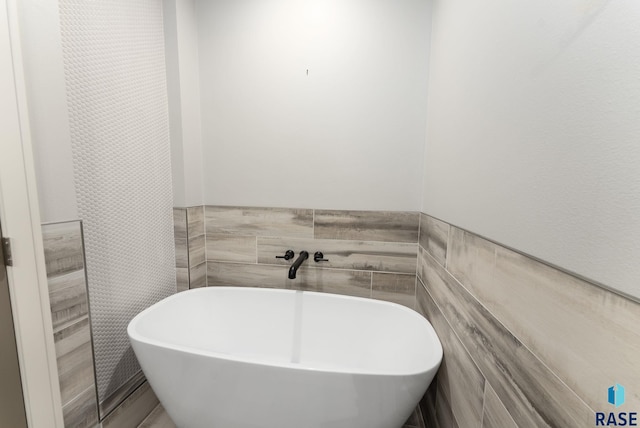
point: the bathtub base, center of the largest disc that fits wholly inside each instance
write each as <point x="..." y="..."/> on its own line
<point x="254" y="396"/>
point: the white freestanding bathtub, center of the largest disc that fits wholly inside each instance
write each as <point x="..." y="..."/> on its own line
<point x="231" y="357"/>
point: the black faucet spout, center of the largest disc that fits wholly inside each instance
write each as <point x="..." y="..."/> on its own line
<point x="304" y="255"/>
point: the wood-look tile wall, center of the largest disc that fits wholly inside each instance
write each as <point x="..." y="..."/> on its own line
<point x="64" y="258"/>
<point x="189" y="237"/>
<point x="196" y="238"/>
<point x="370" y="253"/>
<point x="525" y="344"/>
<point x="181" y="247"/>
<point x="134" y="409"/>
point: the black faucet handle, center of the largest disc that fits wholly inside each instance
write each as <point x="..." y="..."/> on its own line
<point x="319" y="257"/>
<point x="288" y="255"/>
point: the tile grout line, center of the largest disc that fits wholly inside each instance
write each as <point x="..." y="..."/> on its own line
<point x="204" y="231"/>
<point x="379" y="272"/>
<point x="79" y="395"/>
<point x="371" y="284"/>
<point x="186" y="225"/>
<point x="307" y="238"/>
<point x="484" y="401"/>
<point x="149" y="415"/>
<point x="415" y="290"/>
<point x="447" y="254"/>
<point x="435" y="404"/>
<point x="421" y="423"/>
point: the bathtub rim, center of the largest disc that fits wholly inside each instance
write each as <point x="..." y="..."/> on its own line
<point x="434" y="362"/>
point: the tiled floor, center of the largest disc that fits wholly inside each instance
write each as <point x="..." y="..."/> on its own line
<point x="159" y="419"/>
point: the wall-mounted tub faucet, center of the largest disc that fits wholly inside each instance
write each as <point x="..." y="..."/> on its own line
<point x="304" y="255"/>
<point x="319" y="257"/>
<point x="288" y="255"/>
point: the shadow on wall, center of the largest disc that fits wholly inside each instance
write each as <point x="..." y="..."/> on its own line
<point x="125" y="359"/>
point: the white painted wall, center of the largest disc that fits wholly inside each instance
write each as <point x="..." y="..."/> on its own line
<point x="48" y="114"/>
<point x="175" y="102"/>
<point x="349" y="135"/>
<point x="534" y="130"/>
<point x="183" y="84"/>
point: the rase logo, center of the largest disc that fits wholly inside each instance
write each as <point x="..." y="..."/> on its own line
<point x="615" y="397"/>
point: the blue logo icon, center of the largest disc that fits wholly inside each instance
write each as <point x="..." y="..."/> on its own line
<point x="616" y="395"/>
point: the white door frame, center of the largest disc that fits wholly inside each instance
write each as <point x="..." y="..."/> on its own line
<point x="20" y="217"/>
